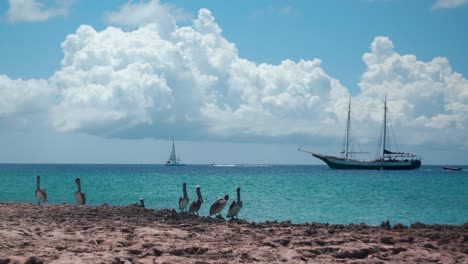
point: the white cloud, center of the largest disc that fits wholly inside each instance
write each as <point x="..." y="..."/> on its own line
<point x="21" y="101"/>
<point x="33" y="11"/>
<point x="439" y="4"/>
<point x="151" y="82"/>
<point x="429" y="100"/>
<point x="139" y="13"/>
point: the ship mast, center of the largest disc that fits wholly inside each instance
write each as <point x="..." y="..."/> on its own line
<point x="384" y="128"/>
<point x="348" y="123"/>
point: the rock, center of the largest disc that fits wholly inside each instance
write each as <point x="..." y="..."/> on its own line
<point x="407" y="239"/>
<point x="429" y="245"/>
<point x="387" y="240"/>
<point x="397" y="250"/>
<point x="353" y="254"/>
<point x="156" y="252"/>
<point x="399" y="226"/>
<point x="418" y="225"/>
<point x="177" y="252"/>
<point x="34" y="260"/>
<point x="195" y="250"/>
<point x="60" y="248"/>
<point x="117" y="260"/>
<point x="134" y="251"/>
<point x="5" y="261"/>
<point x="285" y="242"/>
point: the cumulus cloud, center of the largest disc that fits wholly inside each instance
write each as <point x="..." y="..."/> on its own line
<point x="440" y="4"/>
<point x="154" y="81"/>
<point x="429" y="100"/>
<point x="34" y="11"/>
<point x="191" y="77"/>
<point x="21" y="101"/>
<point x="138" y="13"/>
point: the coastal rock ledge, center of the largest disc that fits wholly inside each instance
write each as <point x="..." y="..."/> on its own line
<point x="108" y="234"/>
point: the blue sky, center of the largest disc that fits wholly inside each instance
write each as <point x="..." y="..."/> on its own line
<point x="246" y="82"/>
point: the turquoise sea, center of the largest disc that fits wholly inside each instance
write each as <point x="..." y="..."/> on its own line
<point x="277" y="192"/>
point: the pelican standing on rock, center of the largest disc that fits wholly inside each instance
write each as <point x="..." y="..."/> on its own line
<point x="235" y="206"/>
<point x="183" y="200"/>
<point x="40" y="194"/>
<point x="141" y="204"/>
<point x="80" y="197"/>
<point x="218" y="206"/>
<point x="195" y="206"/>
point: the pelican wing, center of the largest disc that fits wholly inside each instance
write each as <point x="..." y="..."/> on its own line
<point x="182" y="203"/>
<point x="41" y="195"/>
<point x="194" y="206"/>
<point x="232" y="209"/>
<point x="217" y="206"/>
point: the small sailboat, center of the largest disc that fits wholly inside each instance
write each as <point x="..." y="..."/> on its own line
<point x="173" y="159"/>
<point x="385" y="160"/>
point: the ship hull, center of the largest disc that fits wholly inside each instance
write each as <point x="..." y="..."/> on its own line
<point x="348" y="164"/>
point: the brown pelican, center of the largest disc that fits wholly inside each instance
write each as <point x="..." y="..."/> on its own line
<point x="183" y="200"/>
<point x="218" y="206"/>
<point x="40" y="194"/>
<point x="140" y="204"/>
<point x="80" y="197"/>
<point x="195" y="206"/>
<point x="235" y="206"/>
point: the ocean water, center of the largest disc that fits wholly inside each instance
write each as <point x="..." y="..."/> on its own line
<point x="296" y="193"/>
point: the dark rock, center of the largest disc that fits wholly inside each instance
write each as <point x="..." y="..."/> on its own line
<point x="195" y="250"/>
<point x="34" y="260"/>
<point x="310" y="232"/>
<point x="117" y="260"/>
<point x="157" y="252"/>
<point x="434" y="236"/>
<point x="125" y="230"/>
<point x="398" y="250"/>
<point x="285" y="242"/>
<point x="387" y="240"/>
<point x="399" y="226"/>
<point x="418" y="225"/>
<point x="353" y="254"/>
<point x="320" y="242"/>
<point x="134" y="251"/>
<point x="60" y="248"/>
<point x="5" y="261"/>
<point x="177" y="252"/>
<point x="429" y="245"/>
<point x="407" y="239"/>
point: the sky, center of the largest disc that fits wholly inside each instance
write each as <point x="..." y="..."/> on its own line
<point x="232" y="81"/>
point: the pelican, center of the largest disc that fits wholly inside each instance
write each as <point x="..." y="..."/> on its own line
<point x="195" y="206"/>
<point x="40" y="194"/>
<point x="235" y="206"/>
<point x="141" y="204"/>
<point x="218" y="206"/>
<point x="183" y="200"/>
<point x="80" y="197"/>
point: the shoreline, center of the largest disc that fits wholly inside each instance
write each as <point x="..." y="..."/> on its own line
<point x="122" y="234"/>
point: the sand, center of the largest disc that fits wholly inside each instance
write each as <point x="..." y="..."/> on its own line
<point x="104" y="234"/>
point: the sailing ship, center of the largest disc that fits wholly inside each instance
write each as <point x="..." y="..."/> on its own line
<point x="385" y="160"/>
<point x="173" y="160"/>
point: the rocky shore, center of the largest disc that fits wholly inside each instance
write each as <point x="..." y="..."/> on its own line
<point x="104" y="234"/>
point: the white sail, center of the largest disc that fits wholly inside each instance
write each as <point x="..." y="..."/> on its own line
<point x="173" y="159"/>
